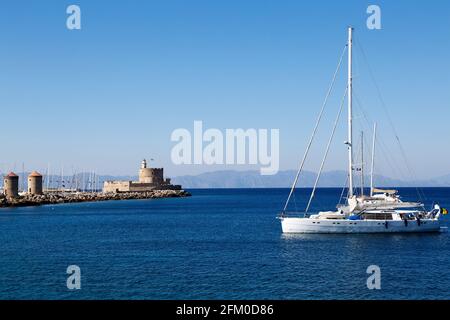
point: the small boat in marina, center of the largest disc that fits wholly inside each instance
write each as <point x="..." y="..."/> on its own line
<point x="381" y="211"/>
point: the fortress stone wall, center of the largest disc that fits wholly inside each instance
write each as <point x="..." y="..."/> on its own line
<point x="149" y="179"/>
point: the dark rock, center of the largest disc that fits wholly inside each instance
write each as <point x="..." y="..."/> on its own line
<point x="63" y="197"/>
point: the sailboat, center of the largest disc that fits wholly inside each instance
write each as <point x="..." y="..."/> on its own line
<point x="382" y="211"/>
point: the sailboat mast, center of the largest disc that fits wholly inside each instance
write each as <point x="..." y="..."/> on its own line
<point x="23" y="177"/>
<point x="48" y="176"/>
<point x="362" y="163"/>
<point x="373" y="158"/>
<point x="350" y="129"/>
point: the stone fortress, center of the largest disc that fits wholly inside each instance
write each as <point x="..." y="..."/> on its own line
<point x="151" y="185"/>
<point x="149" y="179"/>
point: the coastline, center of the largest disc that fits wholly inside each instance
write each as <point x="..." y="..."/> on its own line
<point x="73" y="197"/>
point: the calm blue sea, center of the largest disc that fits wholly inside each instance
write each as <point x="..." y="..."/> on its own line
<point x="217" y="244"/>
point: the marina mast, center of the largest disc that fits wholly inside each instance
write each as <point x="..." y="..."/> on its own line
<point x="373" y="158"/>
<point x="362" y="163"/>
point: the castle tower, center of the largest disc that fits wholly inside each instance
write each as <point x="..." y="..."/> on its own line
<point x="11" y="185"/>
<point x="153" y="176"/>
<point x="144" y="164"/>
<point x="35" y="183"/>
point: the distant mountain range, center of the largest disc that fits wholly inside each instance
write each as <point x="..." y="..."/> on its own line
<point x="284" y="179"/>
<point x="240" y="179"/>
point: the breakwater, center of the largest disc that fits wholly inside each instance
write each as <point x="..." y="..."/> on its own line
<point x="72" y="197"/>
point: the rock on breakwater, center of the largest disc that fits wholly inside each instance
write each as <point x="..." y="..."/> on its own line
<point x="71" y="197"/>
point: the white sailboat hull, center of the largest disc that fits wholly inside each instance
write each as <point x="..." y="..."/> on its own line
<point x="307" y="225"/>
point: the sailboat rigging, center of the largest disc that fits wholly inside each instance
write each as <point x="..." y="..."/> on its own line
<point x="382" y="211"/>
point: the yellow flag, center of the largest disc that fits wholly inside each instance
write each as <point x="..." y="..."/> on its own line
<point x="444" y="211"/>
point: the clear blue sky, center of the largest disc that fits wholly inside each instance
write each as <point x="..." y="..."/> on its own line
<point x="110" y="94"/>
